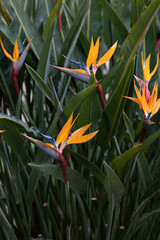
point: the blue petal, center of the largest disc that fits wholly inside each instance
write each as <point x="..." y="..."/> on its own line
<point x="20" y="49"/>
<point x="81" y="65"/>
<point x="50" y="139"/>
<point x="148" y="115"/>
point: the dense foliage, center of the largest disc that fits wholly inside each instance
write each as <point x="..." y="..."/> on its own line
<point x="110" y="188"/>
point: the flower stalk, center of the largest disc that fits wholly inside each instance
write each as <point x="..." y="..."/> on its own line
<point x="63" y="165"/>
<point x="100" y="95"/>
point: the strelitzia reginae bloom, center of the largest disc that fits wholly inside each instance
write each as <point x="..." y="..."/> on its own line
<point x="146" y="67"/>
<point x="147" y="74"/>
<point x="17" y="60"/>
<point x="148" y="106"/>
<point x="84" y="71"/>
<point x="55" y="147"/>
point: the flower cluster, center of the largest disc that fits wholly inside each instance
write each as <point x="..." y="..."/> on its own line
<point x="147" y="101"/>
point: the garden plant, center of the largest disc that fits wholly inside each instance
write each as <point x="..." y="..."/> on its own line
<point x="79" y="119"/>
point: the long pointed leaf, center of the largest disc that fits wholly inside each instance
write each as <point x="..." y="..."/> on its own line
<point x="28" y="27"/>
<point x="76" y="181"/>
<point x="41" y="84"/>
<point x="78" y="99"/>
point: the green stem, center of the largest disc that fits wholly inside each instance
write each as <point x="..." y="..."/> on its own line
<point x="68" y="228"/>
<point x="88" y="23"/>
<point x="108" y="237"/>
<point x="53" y="42"/>
<point x="20" y="28"/>
<point x="100" y="95"/>
<point x="7" y="89"/>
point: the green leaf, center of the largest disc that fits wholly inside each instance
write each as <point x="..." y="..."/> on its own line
<point x="75" y="102"/>
<point x="147" y="142"/>
<point x="113" y="110"/>
<point x="74" y="32"/>
<point x="13" y="138"/>
<point x="129" y="127"/>
<point x="88" y="165"/>
<point x="17" y="124"/>
<point x="45" y="56"/>
<point x="141" y="221"/>
<point x="154" y="188"/>
<point x="144" y="171"/>
<point x="115" y="186"/>
<point x="120" y="162"/>
<point x="132" y="226"/>
<point x="28" y="27"/>
<point x="76" y="181"/>
<point x="41" y="84"/>
<point x="50" y="19"/>
<point x="82" y="37"/>
<point x="7" y="226"/>
<point x="137" y="7"/>
<point x="115" y="190"/>
<point x="136" y="35"/>
<point x="8" y="33"/>
<point x="4" y="13"/>
<point x="119" y="27"/>
<point x="110" y="80"/>
<point x="42" y="71"/>
<point x="95" y="21"/>
<point x="128" y="51"/>
<point x="90" y="110"/>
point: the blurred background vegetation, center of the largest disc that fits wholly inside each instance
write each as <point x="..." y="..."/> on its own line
<point x="114" y="180"/>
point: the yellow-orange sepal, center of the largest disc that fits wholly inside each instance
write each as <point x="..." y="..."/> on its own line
<point x="146" y="67"/>
<point x="76" y="137"/>
<point x="148" y="108"/>
<point x="107" y="55"/>
<point x="63" y="135"/>
<point x="15" y="51"/>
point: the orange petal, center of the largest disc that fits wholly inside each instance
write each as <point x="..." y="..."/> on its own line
<point x="146" y="69"/>
<point x="145" y="106"/>
<point x="1" y="131"/>
<point x="155" y="68"/>
<point x="108" y="55"/>
<point x="90" y="55"/>
<point x="96" y="51"/>
<point x="153" y="96"/>
<point x="80" y="131"/>
<point x="63" y="135"/>
<point x="82" y="139"/>
<point x="79" y="70"/>
<point x="5" y="52"/>
<point x="156" y="107"/>
<point x="15" y="51"/>
<point x="133" y="99"/>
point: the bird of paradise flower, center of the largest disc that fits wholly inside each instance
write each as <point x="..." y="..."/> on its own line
<point x="55" y="147"/>
<point x="17" y="60"/>
<point x="84" y="71"/>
